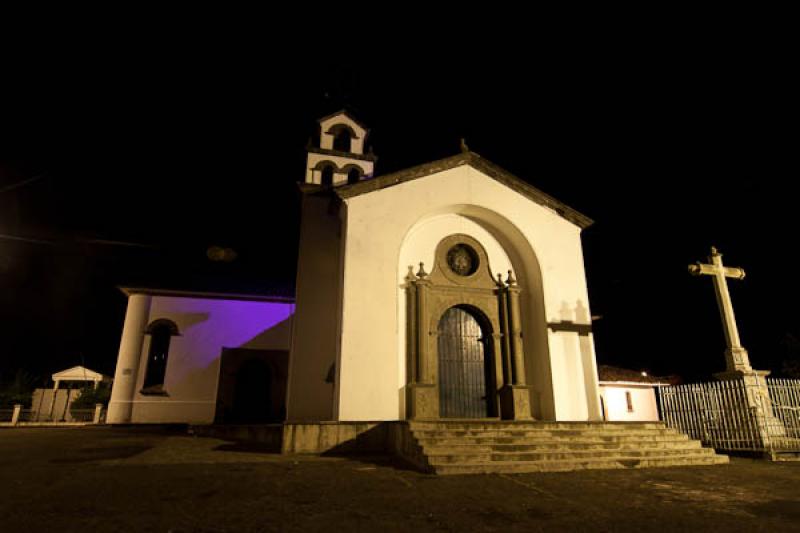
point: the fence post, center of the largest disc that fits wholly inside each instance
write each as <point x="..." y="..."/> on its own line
<point x="98" y="409"/>
<point x="15" y="414"/>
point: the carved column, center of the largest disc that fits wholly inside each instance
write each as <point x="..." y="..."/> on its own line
<point x="412" y="362"/>
<point x="505" y="348"/>
<point x="514" y="396"/>
<point x="423" y="365"/>
<point x="497" y="349"/>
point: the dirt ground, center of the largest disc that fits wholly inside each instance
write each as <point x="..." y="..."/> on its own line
<point x="139" y="479"/>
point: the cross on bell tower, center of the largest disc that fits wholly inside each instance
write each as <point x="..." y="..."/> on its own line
<point x="339" y="159"/>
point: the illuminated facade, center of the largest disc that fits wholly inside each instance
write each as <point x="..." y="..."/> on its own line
<point x="400" y="313"/>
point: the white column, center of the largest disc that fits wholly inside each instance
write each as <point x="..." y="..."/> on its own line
<point x="130" y="351"/>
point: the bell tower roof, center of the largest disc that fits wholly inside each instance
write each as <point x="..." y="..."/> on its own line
<point x="339" y="158"/>
<point x="343" y="115"/>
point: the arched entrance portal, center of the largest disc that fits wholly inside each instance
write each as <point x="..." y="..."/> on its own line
<point x="464" y="345"/>
<point x="465" y="369"/>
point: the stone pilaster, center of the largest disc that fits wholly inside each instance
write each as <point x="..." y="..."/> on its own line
<point x="515" y="400"/>
<point x="515" y="330"/>
<point x="423" y="392"/>
<point x="505" y="347"/>
<point x="412" y="367"/>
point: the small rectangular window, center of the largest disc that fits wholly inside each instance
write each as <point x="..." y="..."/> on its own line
<point x="629" y="399"/>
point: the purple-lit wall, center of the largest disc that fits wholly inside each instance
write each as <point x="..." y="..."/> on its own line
<point x="206" y="327"/>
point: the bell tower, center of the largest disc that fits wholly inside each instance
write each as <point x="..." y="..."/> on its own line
<point x="339" y="159"/>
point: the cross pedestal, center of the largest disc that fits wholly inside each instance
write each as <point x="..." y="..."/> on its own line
<point x="736" y="358"/>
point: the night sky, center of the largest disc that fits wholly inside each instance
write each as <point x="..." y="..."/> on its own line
<point x="122" y="167"/>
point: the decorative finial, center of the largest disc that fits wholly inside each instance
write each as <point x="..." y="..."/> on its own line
<point x="410" y="276"/>
<point x="464" y="147"/>
<point x="511" y="281"/>
<point x="422" y="274"/>
<point x="500" y="280"/>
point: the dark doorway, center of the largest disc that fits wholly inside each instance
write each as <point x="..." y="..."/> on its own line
<point x="464" y="366"/>
<point x="252" y="393"/>
<point x="252" y="386"/>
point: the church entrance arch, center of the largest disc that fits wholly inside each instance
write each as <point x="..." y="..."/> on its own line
<point x="466" y="374"/>
<point x="464" y="349"/>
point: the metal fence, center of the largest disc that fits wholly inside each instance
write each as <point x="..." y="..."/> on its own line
<point x="34" y="416"/>
<point x="722" y="414"/>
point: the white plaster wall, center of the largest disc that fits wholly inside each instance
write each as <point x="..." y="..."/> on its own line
<point x="206" y="327"/>
<point x="645" y="407"/>
<point x="378" y="223"/>
<point x="315" y="341"/>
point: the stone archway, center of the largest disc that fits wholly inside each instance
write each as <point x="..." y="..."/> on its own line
<point x="461" y="278"/>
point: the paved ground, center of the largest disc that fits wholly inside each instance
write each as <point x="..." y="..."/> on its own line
<point x="117" y="479"/>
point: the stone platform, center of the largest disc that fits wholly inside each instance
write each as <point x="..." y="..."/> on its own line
<point x="487" y="446"/>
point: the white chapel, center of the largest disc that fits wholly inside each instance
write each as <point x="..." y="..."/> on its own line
<point x="450" y="290"/>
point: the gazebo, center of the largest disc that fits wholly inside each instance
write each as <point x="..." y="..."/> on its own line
<point x="79" y="373"/>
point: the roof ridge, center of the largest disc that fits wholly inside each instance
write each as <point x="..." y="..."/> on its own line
<point x="478" y="162"/>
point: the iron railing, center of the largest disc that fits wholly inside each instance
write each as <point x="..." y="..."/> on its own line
<point x="723" y="414"/>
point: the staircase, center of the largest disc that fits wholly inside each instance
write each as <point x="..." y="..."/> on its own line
<point x="488" y="446"/>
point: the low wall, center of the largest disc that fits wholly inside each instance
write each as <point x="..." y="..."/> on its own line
<point x="321" y="437"/>
<point x="270" y="435"/>
<point x="335" y="437"/>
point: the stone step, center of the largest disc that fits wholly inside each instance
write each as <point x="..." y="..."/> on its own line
<point x="456" y="446"/>
<point x="518" y="467"/>
<point x="550" y="440"/>
<point x="541" y="433"/>
<point x="436" y="457"/>
<point x="570" y="426"/>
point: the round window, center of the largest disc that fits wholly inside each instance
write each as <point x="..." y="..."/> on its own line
<point x="462" y="259"/>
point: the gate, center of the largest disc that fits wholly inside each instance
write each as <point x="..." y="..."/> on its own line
<point x="462" y="366"/>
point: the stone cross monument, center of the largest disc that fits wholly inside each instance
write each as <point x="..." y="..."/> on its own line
<point x="737" y="361"/>
<point x="735" y="354"/>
